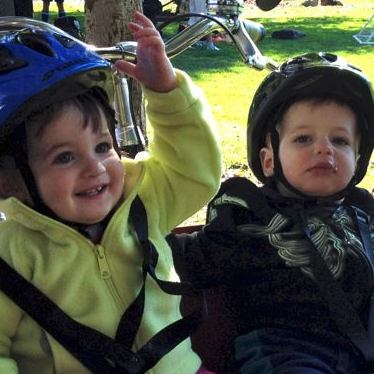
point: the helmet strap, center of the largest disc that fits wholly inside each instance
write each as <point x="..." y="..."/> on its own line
<point x="21" y="161"/>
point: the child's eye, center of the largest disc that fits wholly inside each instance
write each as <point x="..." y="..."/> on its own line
<point x="103" y="147"/>
<point x="302" y="139"/>
<point x="63" y="158"/>
<point x="341" y="141"/>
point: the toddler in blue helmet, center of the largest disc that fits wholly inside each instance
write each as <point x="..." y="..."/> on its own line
<point x="67" y="193"/>
<point x="295" y="254"/>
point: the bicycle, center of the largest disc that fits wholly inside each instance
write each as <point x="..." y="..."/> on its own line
<point x="223" y="15"/>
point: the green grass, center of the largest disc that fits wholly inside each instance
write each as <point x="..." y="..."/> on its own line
<point x="72" y="8"/>
<point x="229" y="85"/>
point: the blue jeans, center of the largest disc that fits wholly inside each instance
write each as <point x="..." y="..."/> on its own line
<point x="277" y="351"/>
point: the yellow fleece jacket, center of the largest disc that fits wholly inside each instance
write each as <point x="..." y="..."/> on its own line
<point x="95" y="283"/>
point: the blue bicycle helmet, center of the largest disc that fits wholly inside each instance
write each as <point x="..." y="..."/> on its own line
<point x="41" y="64"/>
<point x="308" y="75"/>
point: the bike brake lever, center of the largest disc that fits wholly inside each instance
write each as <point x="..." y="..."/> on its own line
<point x="251" y="55"/>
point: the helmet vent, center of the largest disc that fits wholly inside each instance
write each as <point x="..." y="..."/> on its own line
<point x="65" y="41"/>
<point x="8" y="62"/>
<point x="37" y="43"/>
<point x="330" y="57"/>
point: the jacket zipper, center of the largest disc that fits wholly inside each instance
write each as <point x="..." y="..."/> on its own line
<point x="107" y="276"/>
<point x="103" y="263"/>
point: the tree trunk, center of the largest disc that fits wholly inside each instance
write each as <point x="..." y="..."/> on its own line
<point x="106" y="24"/>
<point x="23" y="8"/>
<point x="6" y="8"/>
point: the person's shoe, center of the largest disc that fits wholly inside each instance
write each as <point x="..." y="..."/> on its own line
<point x="331" y="2"/>
<point x="212" y="47"/>
<point x="310" y="3"/>
<point x="182" y="26"/>
<point x="199" y="44"/>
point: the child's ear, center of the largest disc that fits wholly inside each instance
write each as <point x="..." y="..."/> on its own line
<point x="267" y="161"/>
<point x="11" y="181"/>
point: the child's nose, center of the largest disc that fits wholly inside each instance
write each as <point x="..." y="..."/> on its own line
<point x="94" y="167"/>
<point x="324" y="146"/>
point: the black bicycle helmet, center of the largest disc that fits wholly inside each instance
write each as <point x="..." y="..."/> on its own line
<point x="39" y="65"/>
<point x="308" y="75"/>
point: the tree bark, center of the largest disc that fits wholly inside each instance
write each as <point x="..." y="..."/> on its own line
<point x="23" y="8"/>
<point x="6" y="8"/>
<point x="106" y="24"/>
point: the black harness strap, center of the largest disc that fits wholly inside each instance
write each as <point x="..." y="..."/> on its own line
<point x="242" y="188"/>
<point x="363" y="223"/>
<point x="82" y="342"/>
<point x="341" y="309"/>
<point x="363" y="226"/>
<point x="98" y="352"/>
<point x="171" y="335"/>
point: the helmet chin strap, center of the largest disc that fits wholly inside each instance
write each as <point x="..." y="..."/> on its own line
<point x="21" y="160"/>
<point x="279" y="177"/>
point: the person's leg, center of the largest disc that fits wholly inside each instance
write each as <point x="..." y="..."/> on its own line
<point x="45" y="11"/>
<point x="23" y="8"/>
<point x="61" y="9"/>
<point x="199" y="6"/>
<point x="209" y="43"/>
<point x="274" y="351"/>
<point x="192" y="9"/>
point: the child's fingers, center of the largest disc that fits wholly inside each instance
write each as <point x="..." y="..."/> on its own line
<point x="135" y="28"/>
<point x="146" y="33"/>
<point x="125" y="66"/>
<point x="143" y="20"/>
<point x="149" y="42"/>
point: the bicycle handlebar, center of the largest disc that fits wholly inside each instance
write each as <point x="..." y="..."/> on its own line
<point x="244" y="34"/>
<point x="240" y="31"/>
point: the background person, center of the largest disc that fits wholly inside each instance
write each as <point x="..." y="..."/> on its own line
<point x="45" y="10"/>
<point x="199" y="6"/>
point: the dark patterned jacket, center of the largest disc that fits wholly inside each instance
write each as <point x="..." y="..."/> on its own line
<point x="255" y="244"/>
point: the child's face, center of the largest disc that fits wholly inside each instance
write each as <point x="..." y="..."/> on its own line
<point x="317" y="149"/>
<point x="77" y="171"/>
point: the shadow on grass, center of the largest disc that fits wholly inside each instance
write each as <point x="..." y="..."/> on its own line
<point x="330" y="34"/>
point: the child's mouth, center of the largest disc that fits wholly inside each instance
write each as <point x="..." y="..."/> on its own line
<point x="93" y="192"/>
<point x="322" y="167"/>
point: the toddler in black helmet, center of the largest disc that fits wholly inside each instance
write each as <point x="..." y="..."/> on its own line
<point x="72" y="226"/>
<point x="295" y="255"/>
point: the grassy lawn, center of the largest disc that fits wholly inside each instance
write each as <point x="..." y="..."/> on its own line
<point x="229" y="84"/>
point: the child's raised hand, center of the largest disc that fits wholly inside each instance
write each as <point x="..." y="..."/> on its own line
<point x="153" y="69"/>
